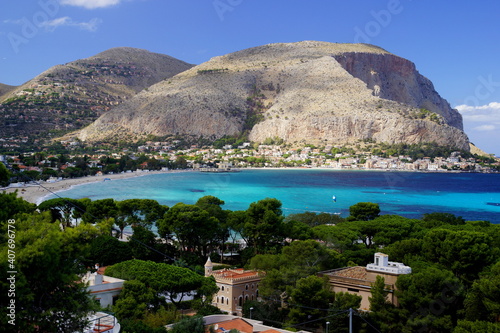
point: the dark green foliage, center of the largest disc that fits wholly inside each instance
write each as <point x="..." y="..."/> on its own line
<point x="268" y="312"/>
<point x="340" y="321"/>
<point x="340" y="237"/>
<point x="464" y="252"/>
<point x="194" y="229"/>
<point x="296" y="230"/>
<point x="189" y="324"/>
<point x="99" y="210"/>
<point x="483" y="299"/>
<point x="313" y="296"/>
<point x="173" y="281"/>
<point x="437" y="219"/>
<point x="135" y="299"/>
<point x="296" y="261"/>
<point x="107" y="250"/>
<point x="454" y="284"/>
<point x="49" y="262"/>
<point x="137" y="326"/>
<point x="364" y="211"/>
<point x="11" y="205"/>
<point x="476" y="326"/>
<point x="144" y="245"/>
<point x="4" y="175"/>
<point x="430" y="298"/>
<point x="63" y="209"/>
<point x="313" y="219"/>
<point x="405" y="250"/>
<point x="378" y="299"/>
<point x="263" y="228"/>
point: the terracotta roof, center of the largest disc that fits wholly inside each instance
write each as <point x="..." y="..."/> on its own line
<point x="235" y="273"/>
<point x="358" y="272"/>
<point x="270" y="331"/>
<point x="238" y="323"/>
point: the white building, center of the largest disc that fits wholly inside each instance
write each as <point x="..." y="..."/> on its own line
<point x="359" y="280"/>
<point x="383" y="265"/>
<point x="103" y="288"/>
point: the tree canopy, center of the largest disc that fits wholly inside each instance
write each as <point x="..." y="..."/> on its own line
<point x="172" y="281"/>
<point x="49" y="262"/>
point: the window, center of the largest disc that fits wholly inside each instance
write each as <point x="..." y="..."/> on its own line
<point x="240" y="301"/>
<point x="246" y="287"/>
<point x="353" y="290"/>
<point x="222" y="288"/>
<point x="222" y="299"/>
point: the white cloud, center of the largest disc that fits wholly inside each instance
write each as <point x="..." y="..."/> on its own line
<point x="67" y="21"/>
<point x="484" y="128"/>
<point x="91" y="4"/>
<point x="10" y="21"/>
<point x="489" y="113"/>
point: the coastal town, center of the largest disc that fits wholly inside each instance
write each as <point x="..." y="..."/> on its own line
<point x="168" y="155"/>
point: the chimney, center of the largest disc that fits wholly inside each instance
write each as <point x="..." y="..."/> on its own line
<point x="98" y="279"/>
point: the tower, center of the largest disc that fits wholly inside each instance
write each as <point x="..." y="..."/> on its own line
<point x="208" y="267"/>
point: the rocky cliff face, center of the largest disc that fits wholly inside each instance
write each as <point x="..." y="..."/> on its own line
<point x="394" y="78"/>
<point x="312" y="92"/>
<point x="73" y="95"/>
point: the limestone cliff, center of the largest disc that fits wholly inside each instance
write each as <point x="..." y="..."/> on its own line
<point x="312" y="92"/>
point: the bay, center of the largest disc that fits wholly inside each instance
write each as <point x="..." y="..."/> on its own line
<point x="474" y="196"/>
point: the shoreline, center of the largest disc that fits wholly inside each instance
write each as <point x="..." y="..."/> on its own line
<point x="36" y="193"/>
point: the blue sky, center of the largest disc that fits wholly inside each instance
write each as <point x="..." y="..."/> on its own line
<point x="456" y="44"/>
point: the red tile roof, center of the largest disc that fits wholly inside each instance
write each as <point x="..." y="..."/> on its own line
<point x="238" y="323"/>
<point x="235" y="273"/>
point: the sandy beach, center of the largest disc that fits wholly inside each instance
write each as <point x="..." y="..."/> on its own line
<point x="35" y="193"/>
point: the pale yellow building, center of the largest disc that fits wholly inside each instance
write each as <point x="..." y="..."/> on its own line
<point x="358" y="280"/>
<point x="236" y="286"/>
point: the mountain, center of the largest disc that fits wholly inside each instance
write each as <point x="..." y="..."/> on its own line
<point x="4" y="89"/>
<point x="73" y="95"/>
<point x="308" y="92"/>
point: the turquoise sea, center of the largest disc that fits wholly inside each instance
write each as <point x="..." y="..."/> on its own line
<point x="473" y="196"/>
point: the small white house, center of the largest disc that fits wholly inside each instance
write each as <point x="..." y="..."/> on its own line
<point x="103" y="288"/>
<point x="382" y="264"/>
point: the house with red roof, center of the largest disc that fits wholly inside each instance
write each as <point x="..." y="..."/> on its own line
<point x="236" y="286"/>
<point x="225" y="323"/>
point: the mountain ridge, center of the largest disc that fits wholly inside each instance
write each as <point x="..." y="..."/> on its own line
<point x="300" y="92"/>
<point x="74" y="94"/>
<point x="5" y="89"/>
